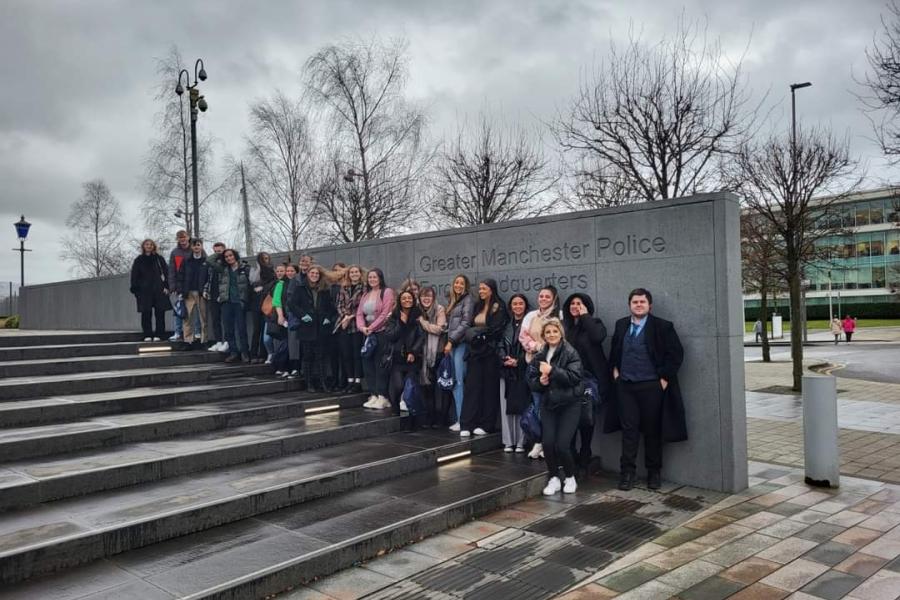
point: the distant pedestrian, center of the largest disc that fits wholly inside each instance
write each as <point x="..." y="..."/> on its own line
<point x="836" y="329"/>
<point x="177" y="257"/>
<point x="150" y="286"/>
<point x="213" y="309"/>
<point x="849" y="326"/>
<point x="234" y="285"/>
<point x="758" y="330"/>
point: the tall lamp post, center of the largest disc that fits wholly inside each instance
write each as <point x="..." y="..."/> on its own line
<point x="22" y="227"/>
<point x="794" y="88"/>
<point x="197" y="102"/>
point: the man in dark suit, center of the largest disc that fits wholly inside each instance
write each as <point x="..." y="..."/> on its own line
<point x="645" y="356"/>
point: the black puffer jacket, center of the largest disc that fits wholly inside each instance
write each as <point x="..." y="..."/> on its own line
<point x="405" y="338"/>
<point x="566" y="377"/>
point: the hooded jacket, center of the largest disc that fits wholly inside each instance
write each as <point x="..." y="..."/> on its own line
<point x="566" y="378"/>
<point x="586" y="334"/>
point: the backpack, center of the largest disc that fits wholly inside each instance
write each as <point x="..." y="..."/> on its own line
<point x="412" y="395"/>
<point x="369" y="346"/>
<point x="531" y="423"/>
<point x="446" y="376"/>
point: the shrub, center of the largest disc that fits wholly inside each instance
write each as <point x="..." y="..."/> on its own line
<point x="12" y="322"/>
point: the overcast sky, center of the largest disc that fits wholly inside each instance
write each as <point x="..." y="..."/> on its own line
<point x="76" y="101"/>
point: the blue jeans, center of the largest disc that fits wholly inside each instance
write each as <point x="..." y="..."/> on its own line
<point x="459" y="368"/>
<point x="268" y="342"/>
<point x="235" y="327"/>
<point x="178" y="325"/>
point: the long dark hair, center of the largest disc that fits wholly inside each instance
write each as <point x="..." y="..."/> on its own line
<point x="552" y="289"/>
<point x="497" y="303"/>
<point x="381" y="284"/>
<point x="568" y="319"/>
<point x="414" y="312"/>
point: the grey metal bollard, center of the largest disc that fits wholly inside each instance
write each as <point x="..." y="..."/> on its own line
<point x="821" y="455"/>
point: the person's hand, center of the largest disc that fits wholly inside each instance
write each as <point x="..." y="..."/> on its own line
<point x="663" y="383"/>
<point x="545" y="380"/>
<point x="545" y="368"/>
<point x="257" y="289"/>
<point x="448" y="348"/>
<point x="615" y="372"/>
<point x="206" y="295"/>
<point x="165" y="290"/>
<point x="410" y="358"/>
<point x="364" y="330"/>
<point x="282" y="321"/>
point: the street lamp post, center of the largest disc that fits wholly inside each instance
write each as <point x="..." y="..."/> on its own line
<point x="22" y="226"/>
<point x="197" y="102"/>
<point x="794" y="88"/>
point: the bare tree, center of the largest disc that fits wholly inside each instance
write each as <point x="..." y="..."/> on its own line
<point x="761" y="267"/>
<point x="657" y="119"/>
<point x="279" y="162"/>
<point x="593" y="184"/>
<point x="492" y="174"/>
<point x="882" y="99"/>
<point x="780" y="193"/>
<point x="167" y="165"/>
<point x="359" y="86"/>
<point x="96" y="242"/>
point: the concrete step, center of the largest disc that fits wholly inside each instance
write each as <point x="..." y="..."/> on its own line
<point x="255" y="558"/>
<point x="13" y="339"/>
<point x="65" y="533"/>
<point x="71" y="407"/>
<point x="13" y="388"/>
<point x="36" y="480"/>
<point x="75" y="350"/>
<point x="113" y="430"/>
<point x="93" y="364"/>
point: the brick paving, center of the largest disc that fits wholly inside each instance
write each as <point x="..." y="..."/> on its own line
<point x="867" y="412"/>
<point x="776" y="539"/>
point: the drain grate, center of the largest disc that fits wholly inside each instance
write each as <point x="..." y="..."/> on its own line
<point x="682" y="503"/>
<point x="508" y="589"/>
<point x="498" y="560"/>
<point x="610" y="541"/>
<point x="634" y="527"/>
<point x="451" y="578"/>
<point x="596" y="514"/>
<point x="578" y="556"/>
<point x="622" y="505"/>
<point x="549" y="576"/>
<point x="556" y="527"/>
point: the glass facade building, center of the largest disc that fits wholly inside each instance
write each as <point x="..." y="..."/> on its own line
<point x="860" y="262"/>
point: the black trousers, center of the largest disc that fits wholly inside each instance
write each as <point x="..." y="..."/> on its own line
<point x="147" y="324"/>
<point x="849" y="335"/>
<point x="214" y="321"/>
<point x="313" y="361"/>
<point x="585" y="435"/>
<point x="481" y="394"/>
<point x="640" y="411"/>
<point x="254" y="334"/>
<point x="349" y="345"/>
<point x="376" y="376"/>
<point x="559" y="427"/>
<point x="400" y="370"/>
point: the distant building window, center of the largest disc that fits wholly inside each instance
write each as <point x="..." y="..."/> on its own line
<point x="878" y="280"/>
<point x="862" y="215"/>
<point x="876" y="212"/>
<point x="894" y="247"/>
<point x="862" y="249"/>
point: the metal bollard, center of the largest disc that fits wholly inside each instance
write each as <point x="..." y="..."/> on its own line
<point x="821" y="455"/>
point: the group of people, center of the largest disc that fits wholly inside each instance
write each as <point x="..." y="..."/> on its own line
<point x="845" y="327"/>
<point x="476" y="364"/>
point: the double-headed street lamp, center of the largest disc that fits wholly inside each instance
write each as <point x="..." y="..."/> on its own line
<point x="794" y="88"/>
<point x="197" y="102"/>
<point x="22" y="226"/>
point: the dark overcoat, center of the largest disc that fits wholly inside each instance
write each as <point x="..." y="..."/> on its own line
<point x="667" y="355"/>
<point x="149" y="277"/>
<point x="314" y="310"/>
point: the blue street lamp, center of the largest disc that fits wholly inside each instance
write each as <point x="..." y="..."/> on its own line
<point x="22" y="227"/>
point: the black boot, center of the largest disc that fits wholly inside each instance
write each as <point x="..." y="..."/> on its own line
<point x="654" y="480"/>
<point x="626" y="480"/>
<point x="356" y="388"/>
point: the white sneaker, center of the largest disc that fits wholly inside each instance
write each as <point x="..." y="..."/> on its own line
<point x="569" y="486"/>
<point x="553" y="486"/>
<point x="403" y="407"/>
<point x="464" y="433"/>
<point x="507" y="448"/>
<point x="381" y="402"/>
<point x="479" y="431"/>
<point x="536" y="451"/>
<point x="223" y="347"/>
<point x="519" y="449"/>
<point x="156" y="339"/>
<point x="454" y="427"/>
<point x="148" y="339"/>
<point x="175" y="338"/>
<point x="371" y="402"/>
<point x="280" y="373"/>
<point x="541" y="454"/>
<point x="269" y="360"/>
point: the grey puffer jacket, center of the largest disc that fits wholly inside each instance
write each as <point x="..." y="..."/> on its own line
<point x="460" y="319"/>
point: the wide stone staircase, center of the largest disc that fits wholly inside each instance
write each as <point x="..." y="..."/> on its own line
<point x="129" y="470"/>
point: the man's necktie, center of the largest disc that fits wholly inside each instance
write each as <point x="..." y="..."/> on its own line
<point x="634" y="330"/>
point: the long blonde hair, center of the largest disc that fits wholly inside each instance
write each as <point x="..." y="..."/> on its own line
<point x="454" y="299"/>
